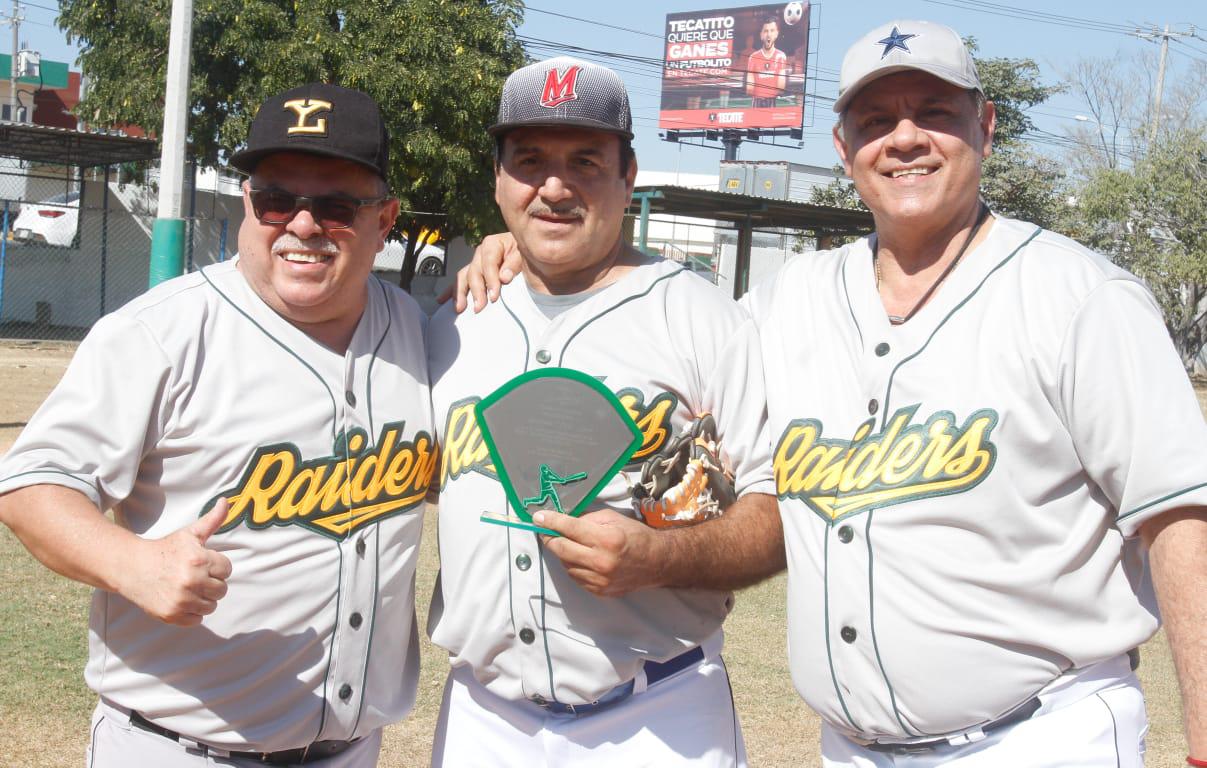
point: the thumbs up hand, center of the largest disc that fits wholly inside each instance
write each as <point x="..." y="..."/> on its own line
<point x="177" y="579"/>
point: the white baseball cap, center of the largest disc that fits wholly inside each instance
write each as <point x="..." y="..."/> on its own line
<point x="899" y="46"/>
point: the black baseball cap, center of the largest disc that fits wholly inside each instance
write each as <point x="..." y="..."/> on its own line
<point x="564" y="92"/>
<point x="318" y="119"/>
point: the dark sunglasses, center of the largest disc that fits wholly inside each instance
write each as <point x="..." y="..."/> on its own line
<point x="277" y="206"/>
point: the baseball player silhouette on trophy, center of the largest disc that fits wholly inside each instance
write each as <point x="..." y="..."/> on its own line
<point x="549" y="478"/>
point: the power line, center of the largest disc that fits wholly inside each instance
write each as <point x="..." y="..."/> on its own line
<point x="593" y="23"/>
<point x="1036" y="16"/>
<point x="597" y="23"/>
<point x="641" y="66"/>
<point x="1190" y="56"/>
<point x="40" y="7"/>
<point x="1202" y="52"/>
<point x="1054" y="17"/>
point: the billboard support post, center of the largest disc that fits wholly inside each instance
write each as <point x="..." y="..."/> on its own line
<point x="731" y="140"/>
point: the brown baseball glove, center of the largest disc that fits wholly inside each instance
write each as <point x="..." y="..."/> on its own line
<point x="685" y="481"/>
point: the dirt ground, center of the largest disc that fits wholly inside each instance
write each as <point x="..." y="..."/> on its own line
<point x="28" y="371"/>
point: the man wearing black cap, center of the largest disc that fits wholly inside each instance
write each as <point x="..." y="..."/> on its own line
<point x="260" y="430"/>
<point x="600" y="647"/>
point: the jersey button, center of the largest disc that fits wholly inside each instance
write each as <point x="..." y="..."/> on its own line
<point x="848" y="634"/>
<point x="543" y="356"/>
<point x="350" y="397"/>
<point x="355" y="620"/>
<point x="845" y="534"/>
<point x="345" y="691"/>
<point x="873" y="406"/>
<point x="360" y="546"/>
<point x="527" y="635"/>
<point x="881" y="349"/>
<point x="523" y="562"/>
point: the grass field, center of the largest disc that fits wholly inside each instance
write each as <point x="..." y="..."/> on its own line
<point x="44" y="705"/>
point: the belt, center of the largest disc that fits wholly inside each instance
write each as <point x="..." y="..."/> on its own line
<point x="1019" y="714"/>
<point x="655" y="671"/>
<point x="311" y="752"/>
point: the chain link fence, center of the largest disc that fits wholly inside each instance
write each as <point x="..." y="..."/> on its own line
<point x="76" y="245"/>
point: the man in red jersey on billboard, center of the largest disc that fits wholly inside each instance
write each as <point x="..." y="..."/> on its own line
<point x="767" y="68"/>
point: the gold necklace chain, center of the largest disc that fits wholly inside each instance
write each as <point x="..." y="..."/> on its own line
<point x="982" y="214"/>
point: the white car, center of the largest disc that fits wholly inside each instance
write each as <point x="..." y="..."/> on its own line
<point x="53" y="221"/>
<point x="389" y="259"/>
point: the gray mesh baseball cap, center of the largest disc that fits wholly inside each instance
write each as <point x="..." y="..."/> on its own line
<point x="903" y="45"/>
<point x="564" y="92"/>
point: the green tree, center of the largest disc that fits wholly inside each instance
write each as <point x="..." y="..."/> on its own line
<point x="1016" y="180"/>
<point x="839" y="193"/>
<point x="1014" y="86"/>
<point x="1152" y="220"/>
<point x="1020" y="183"/>
<point x="436" y="67"/>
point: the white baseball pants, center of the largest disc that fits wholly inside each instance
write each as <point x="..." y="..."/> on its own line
<point x="115" y="743"/>
<point x="1089" y="718"/>
<point x="687" y="719"/>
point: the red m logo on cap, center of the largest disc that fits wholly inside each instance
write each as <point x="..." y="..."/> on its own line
<point x="560" y="87"/>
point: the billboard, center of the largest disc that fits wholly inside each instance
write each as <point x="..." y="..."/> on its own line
<point x="735" y="68"/>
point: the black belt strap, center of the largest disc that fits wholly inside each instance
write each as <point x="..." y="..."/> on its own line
<point x="655" y="671"/>
<point x="1019" y="714"/>
<point x="299" y="756"/>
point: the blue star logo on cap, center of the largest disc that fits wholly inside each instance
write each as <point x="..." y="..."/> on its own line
<point x="895" y="40"/>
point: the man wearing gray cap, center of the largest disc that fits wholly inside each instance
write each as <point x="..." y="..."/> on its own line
<point x="994" y="430"/>
<point x="986" y="453"/>
<point x="261" y="431"/>
<point x="599" y="647"/>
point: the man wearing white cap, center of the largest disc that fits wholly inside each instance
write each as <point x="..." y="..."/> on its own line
<point x="994" y="433"/>
<point x="986" y="454"/>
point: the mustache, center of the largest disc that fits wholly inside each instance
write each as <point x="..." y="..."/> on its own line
<point x="541" y="209"/>
<point x="318" y="244"/>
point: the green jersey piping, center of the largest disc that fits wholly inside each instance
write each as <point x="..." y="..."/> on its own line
<point x="281" y="344"/>
<point x="886" y="410"/>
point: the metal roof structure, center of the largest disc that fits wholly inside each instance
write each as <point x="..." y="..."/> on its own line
<point x="60" y="146"/>
<point x="746" y="214"/>
<point x="760" y="212"/>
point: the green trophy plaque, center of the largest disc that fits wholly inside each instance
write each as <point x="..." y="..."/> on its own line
<point x="557" y="436"/>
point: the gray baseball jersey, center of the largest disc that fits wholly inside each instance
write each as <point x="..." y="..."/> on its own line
<point x="671" y="347"/>
<point x="197" y="390"/>
<point x="957" y="491"/>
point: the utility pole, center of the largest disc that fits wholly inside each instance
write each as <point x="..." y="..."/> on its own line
<point x="15" y="22"/>
<point x="1152" y="37"/>
<point x="167" y="235"/>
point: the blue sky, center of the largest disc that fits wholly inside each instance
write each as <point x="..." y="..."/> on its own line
<point x="996" y="26"/>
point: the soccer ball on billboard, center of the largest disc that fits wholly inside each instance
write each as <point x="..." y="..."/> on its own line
<point x="793" y="13"/>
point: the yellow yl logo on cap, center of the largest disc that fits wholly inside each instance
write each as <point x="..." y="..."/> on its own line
<point x="304" y="108"/>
